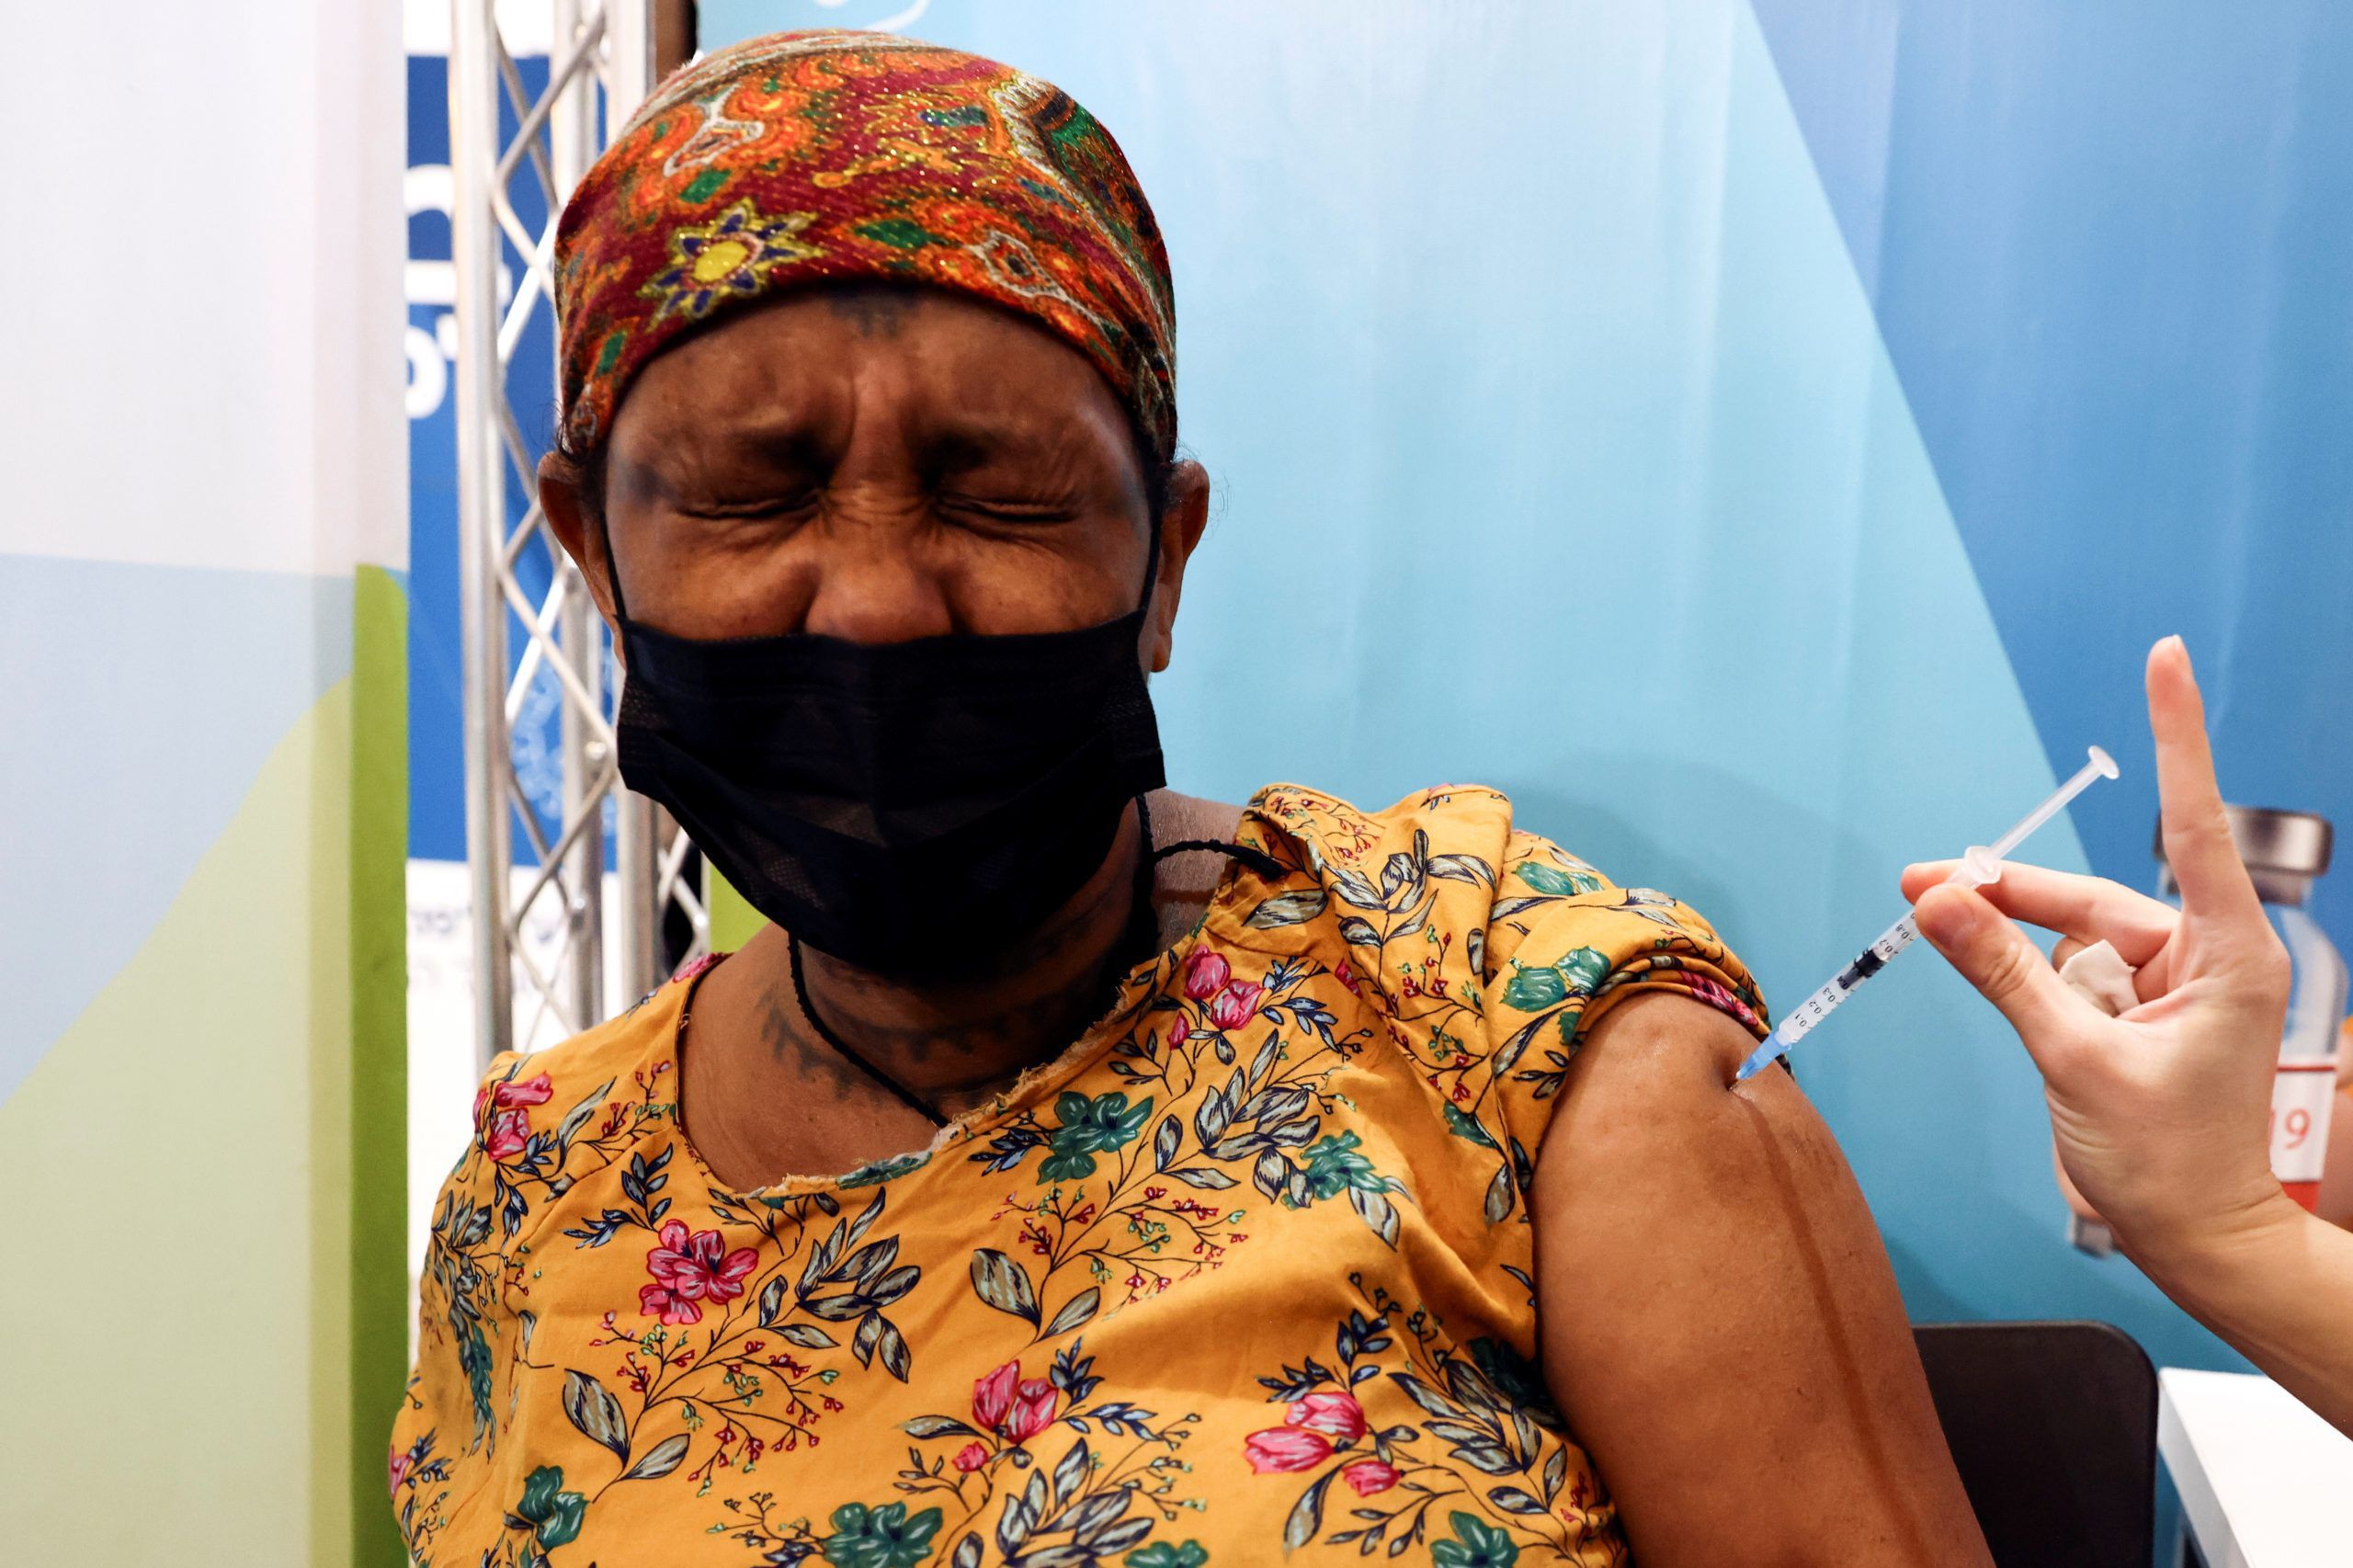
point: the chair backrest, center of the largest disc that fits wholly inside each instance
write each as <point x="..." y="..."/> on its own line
<point x="2053" y="1427"/>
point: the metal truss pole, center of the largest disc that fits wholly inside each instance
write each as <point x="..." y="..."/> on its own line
<point x="572" y="144"/>
<point x="629" y="78"/>
<point x="531" y="989"/>
<point x="481" y="507"/>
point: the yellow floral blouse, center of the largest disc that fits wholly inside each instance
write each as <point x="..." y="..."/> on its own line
<point x="1244" y="1274"/>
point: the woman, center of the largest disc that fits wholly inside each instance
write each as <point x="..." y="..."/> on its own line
<point x="2160" y="1113"/>
<point x="1222" y="1182"/>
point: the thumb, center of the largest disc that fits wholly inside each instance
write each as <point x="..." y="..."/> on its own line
<point x="1995" y="956"/>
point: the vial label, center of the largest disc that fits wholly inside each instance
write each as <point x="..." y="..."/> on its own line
<point x="2301" y="1092"/>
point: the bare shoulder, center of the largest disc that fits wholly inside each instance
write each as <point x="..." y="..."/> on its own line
<point x="1186" y="881"/>
<point x="1176" y="816"/>
<point x="1719" y="1320"/>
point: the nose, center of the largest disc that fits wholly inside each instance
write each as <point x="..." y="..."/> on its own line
<point x="875" y="579"/>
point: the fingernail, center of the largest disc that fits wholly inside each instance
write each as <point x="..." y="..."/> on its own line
<point x="2178" y="646"/>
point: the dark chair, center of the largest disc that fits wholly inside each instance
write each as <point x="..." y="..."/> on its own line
<point x="2053" y="1427"/>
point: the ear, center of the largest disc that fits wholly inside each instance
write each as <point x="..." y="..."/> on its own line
<point x="566" y="501"/>
<point x="1180" y="530"/>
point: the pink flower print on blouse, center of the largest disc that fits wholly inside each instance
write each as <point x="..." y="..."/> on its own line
<point x="1013" y="1407"/>
<point x="690" y="1268"/>
<point x="694" y="967"/>
<point x="509" y="1126"/>
<point x="1369" y="1476"/>
<point x="507" y="1132"/>
<point x="1232" y="1007"/>
<point x="1717" y="995"/>
<point x="1334" y="1414"/>
<point x="1205" y="975"/>
<point x="1312" y="1427"/>
<point x="513" y="1093"/>
<point x="1281" y="1450"/>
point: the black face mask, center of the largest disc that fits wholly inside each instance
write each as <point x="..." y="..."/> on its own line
<point x="906" y="807"/>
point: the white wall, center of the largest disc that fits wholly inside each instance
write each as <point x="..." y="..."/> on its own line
<point x="203" y="515"/>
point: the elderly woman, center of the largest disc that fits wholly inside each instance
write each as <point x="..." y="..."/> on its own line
<point x="1077" y="1173"/>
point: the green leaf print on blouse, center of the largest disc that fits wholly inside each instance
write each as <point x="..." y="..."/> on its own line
<point x="1160" y="1554"/>
<point x="1558" y="991"/>
<point x="707" y="1361"/>
<point x="1089" y="1127"/>
<point x="1475" y="1545"/>
<point x="1334" y="1166"/>
<point x="886" y="1537"/>
<point x="1556" y="882"/>
<point x="1534" y="987"/>
<point x="889" y="1169"/>
<point x="1467" y="1127"/>
<point x="552" y="1515"/>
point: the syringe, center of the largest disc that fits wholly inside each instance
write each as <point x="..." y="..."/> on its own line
<point x="1982" y="864"/>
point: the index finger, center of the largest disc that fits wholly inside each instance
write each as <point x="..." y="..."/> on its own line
<point x="2199" y="848"/>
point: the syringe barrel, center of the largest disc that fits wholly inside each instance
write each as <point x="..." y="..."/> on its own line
<point x="1801" y="1018"/>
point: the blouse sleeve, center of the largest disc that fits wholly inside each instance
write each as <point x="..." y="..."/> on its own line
<point x="1562" y="945"/>
<point x="447" y="1414"/>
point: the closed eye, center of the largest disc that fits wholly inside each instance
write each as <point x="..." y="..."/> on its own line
<point x="1005" y="509"/>
<point x="752" y="507"/>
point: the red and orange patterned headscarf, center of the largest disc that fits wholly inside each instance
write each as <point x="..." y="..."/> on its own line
<point x="825" y="156"/>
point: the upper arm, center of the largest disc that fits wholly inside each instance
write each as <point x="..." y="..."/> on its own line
<point x="1719" y="1320"/>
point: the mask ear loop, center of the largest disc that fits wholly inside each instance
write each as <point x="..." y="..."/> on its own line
<point x="1258" y="860"/>
<point x="855" y="1058"/>
<point x="1142" y="940"/>
<point x="612" y="567"/>
<point x="1144" y="937"/>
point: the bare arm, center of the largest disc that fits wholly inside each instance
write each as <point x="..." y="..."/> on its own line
<point x="2278" y="1284"/>
<point x="1719" y="1320"/>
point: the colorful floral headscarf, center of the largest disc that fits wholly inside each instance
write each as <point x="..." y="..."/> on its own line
<point x="827" y="156"/>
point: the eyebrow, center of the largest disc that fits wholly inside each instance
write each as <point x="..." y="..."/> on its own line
<point x="675" y="472"/>
<point x="960" y="441"/>
<point x="785" y="445"/>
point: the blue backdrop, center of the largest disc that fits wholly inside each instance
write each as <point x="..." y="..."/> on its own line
<point x="435" y="695"/>
<point x="1764" y="440"/>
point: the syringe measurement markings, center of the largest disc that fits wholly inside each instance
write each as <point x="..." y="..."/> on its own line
<point x="1869" y="961"/>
